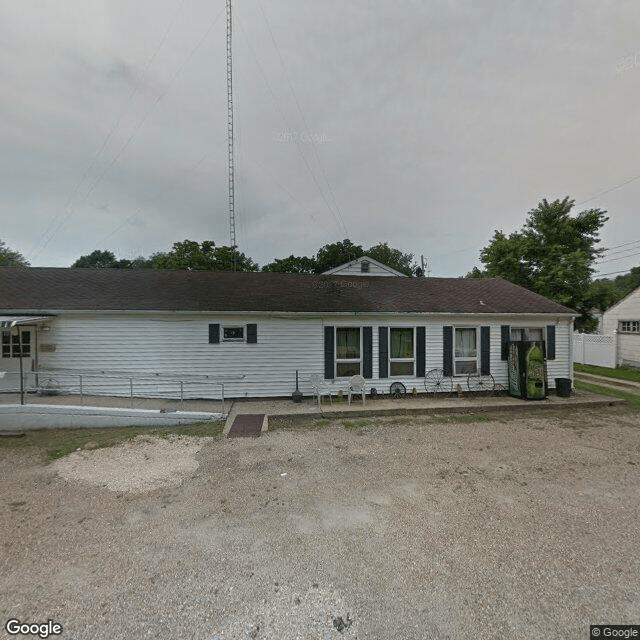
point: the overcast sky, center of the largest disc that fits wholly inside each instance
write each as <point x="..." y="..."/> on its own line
<point x="427" y="124"/>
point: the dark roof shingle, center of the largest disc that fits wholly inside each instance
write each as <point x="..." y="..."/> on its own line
<point x="51" y="289"/>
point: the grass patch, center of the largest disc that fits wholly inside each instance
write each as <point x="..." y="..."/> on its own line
<point x="403" y="420"/>
<point x="620" y="374"/>
<point x="467" y="417"/>
<point x="355" y="424"/>
<point x="278" y="423"/>
<point x="57" y="443"/>
<point x="631" y="398"/>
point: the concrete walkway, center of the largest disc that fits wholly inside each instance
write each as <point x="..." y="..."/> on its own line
<point x="606" y="381"/>
<point x="40" y="408"/>
<point x="308" y="409"/>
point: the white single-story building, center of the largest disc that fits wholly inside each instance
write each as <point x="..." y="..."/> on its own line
<point x="623" y="319"/>
<point x="253" y="331"/>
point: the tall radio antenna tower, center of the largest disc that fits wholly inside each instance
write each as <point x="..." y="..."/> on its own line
<point x="232" y="215"/>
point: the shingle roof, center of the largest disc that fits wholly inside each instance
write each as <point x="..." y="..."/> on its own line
<point x="50" y="289"/>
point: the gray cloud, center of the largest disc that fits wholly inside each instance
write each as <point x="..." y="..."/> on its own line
<point x="424" y="124"/>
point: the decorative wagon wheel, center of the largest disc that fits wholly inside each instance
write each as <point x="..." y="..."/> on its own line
<point x="478" y="383"/>
<point x="436" y="382"/>
<point x="397" y="390"/>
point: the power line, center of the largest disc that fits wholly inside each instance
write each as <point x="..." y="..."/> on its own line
<point x="619" y="258"/>
<point x="136" y="130"/>
<point x="609" y="252"/>
<point x="616" y="253"/>
<point x="284" y="121"/>
<point x="602" y="193"/>
<point x="157" y="198"/>
<point x="612" y="273"/>
<point x="304" y="122"/>
<point x="624" y="244"/>
<point x="114" y="127"/>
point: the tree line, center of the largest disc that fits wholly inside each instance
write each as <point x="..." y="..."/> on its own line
<point x="189" y="254"/>
<point x="553" y="254"/>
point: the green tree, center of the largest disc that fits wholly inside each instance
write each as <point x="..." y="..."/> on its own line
<point x="553" y="254"/>
<point x="205" y="256"/>
<point x="292" y="264"/>
<point x="394" y="258"/>
<point x="604" y="292"/>
<point x="186" y="255"/>
<point x="627" y="282"/>
<point x="10" y="258"/>
<point x="101" y="260"/>
<point x="230" y="259"/>
<point x="337" y="253"/>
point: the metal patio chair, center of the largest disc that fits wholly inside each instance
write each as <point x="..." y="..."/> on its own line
<point x="320" y="388"/>
<point x="357" y="386"/>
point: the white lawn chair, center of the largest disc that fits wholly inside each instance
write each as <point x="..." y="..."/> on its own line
<point x="357" y="386"/>
<point x="319" y="387"/>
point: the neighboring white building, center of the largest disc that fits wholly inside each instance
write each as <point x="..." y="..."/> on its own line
<point x="624" y="318"/>
<point x="364" y="266"/>
<point x="253" y="331"/>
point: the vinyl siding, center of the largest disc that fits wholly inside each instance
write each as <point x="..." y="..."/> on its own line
<point x="178" y="345"/>
<point x="627" y="309"/>
<point x="629" y="349"/>
<point x="356" y="270"/>
<point x="628" y="343"/>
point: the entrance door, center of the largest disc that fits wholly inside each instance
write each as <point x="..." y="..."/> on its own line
<point x="20" y="340"/>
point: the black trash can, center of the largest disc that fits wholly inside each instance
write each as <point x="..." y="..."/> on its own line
<point x="563" y="387"/>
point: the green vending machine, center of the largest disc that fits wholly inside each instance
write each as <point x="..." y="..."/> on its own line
<point x="527" y="370"/>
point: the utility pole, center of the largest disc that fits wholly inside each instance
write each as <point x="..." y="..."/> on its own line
<point x="232" y="215"/>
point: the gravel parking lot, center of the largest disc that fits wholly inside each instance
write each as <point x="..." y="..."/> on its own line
<point x="414" y="528"/>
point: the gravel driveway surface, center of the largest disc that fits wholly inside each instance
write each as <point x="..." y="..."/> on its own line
<point x="409" y="529"/>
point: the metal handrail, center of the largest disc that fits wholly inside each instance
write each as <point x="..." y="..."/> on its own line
<point x="42" y="375"/>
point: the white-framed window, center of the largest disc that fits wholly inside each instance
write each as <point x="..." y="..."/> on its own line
<point x="402" y="351"/>
<point x="629" y="326"/>
<point x="348" y="352"/>
<point x="11" y="344"/>
<point x="527" y="333"/>
<point x="233" y="333"/>
<point x="465" y="351"/>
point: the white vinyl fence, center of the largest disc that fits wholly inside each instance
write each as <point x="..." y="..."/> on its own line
<point x="594" y="349"/>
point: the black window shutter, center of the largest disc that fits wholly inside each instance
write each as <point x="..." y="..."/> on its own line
<point x="214" y="334"/>
<point x="485" y="351"/>
<point x="252" y="333"/>
<point x="328" y="353"/>
<point x="447" y="350"/>
<point x="367" y="352"/>
<point x="505" y="338"/>
<point x="383" y="352"/>
<point x="420" y="351"/>
<point x="551" y="342"/>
